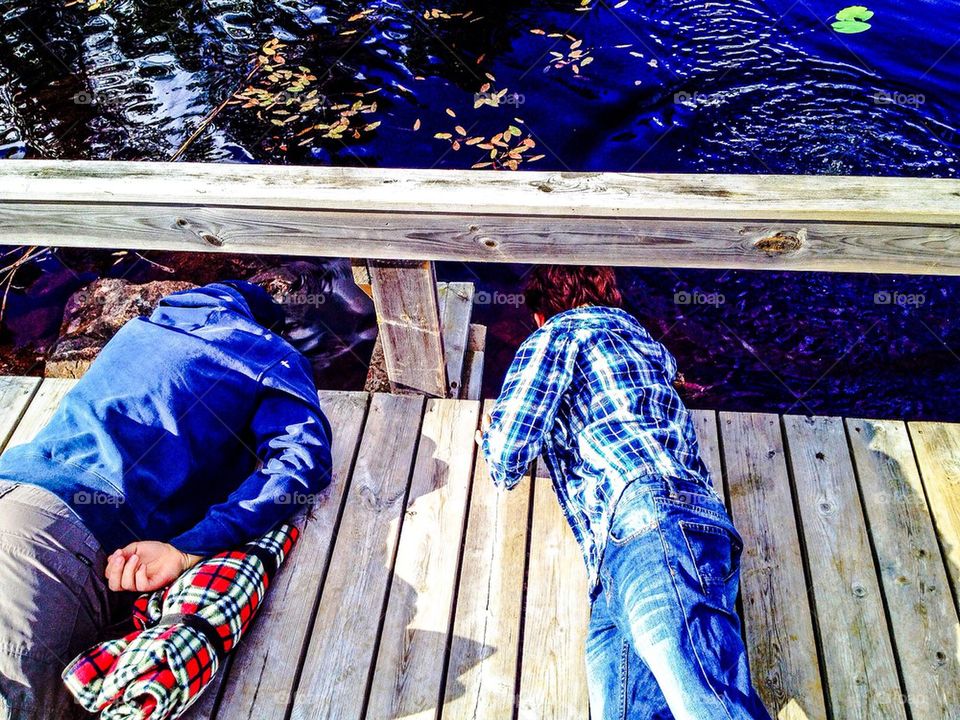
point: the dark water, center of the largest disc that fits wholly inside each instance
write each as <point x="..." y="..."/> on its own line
<point x="690" y="86"/>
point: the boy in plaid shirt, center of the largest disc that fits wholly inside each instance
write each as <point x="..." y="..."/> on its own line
<point x="593" y="390"/>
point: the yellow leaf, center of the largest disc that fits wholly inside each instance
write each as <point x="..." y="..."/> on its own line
<point x="416" y="124"/>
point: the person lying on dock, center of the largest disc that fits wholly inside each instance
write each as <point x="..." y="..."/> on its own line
<point x="195" y="430"/>
<point x="593" y="390"/>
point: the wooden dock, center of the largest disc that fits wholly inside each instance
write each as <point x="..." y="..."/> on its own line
<point x="419" y="591"/>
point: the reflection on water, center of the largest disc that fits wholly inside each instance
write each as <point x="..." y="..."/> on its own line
<point x="753" y="86"/>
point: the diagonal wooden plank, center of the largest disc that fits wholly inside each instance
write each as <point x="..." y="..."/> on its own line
<point x="41" y="409"/>
<point x="861" y="670"/>
<point x="15" y="394"/>
<point x="553" y="682"/>
<point x="339" y="658"/>
<point x="923" y="617"/>
<point x="708" y="437"/>
<point x="456" y="308"/>
<point x="777" y="617"/>
<point x="409" y="670"/>
<point x="260" y="680"/>
<point x="482" y="672"/>
<point x="937" y="446"/>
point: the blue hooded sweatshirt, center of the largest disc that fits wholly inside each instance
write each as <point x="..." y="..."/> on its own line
<point x="199" y="426"/>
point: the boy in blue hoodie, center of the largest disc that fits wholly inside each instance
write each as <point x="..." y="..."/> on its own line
<point x="193" y="431"/>
<point x="594" y="392"/>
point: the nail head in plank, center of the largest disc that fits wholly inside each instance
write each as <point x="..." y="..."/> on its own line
<point x="923" y="617"/>
<point x="265" y="664"/>
<point x="482" y="672"/>
<point x="553" y="682"/>
<point x="339" y="657"/>
<point x="777" y="617"/>
<point x="409" y="670"/>
<point x="861" y="670"/>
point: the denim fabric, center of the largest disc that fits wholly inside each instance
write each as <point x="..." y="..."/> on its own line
<point x="593" y="389"/>
<point x="664" y="639"/>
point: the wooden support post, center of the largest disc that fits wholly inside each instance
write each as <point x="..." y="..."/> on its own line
<point x="408" y="316"/>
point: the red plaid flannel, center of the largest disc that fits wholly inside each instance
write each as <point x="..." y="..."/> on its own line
<point x="183" y="633"/>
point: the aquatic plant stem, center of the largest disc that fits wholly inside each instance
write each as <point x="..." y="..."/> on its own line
<point x="205" y="123"/>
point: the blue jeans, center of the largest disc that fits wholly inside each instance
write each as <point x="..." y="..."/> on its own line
<point x="664" y="641"/>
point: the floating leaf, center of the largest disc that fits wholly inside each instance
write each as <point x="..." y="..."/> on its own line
<point x="416" y="124"/>
<point x="852" y="20"/>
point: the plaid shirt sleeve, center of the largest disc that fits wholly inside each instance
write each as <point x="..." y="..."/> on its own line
<point x="527" y="406"/>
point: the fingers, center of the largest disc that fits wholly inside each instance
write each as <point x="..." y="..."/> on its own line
<point x="114" y="571"/>
<point x="478" y="437"/>
<point x="143" y="585"/>
<point x="128" y="579"/>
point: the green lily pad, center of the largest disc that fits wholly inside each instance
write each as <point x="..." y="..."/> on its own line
<point x="852" y="20"/>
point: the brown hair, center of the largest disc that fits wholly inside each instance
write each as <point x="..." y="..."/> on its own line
<point x="552" y="289"/>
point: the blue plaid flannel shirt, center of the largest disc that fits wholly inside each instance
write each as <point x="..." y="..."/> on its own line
<point x="593" y="390"/>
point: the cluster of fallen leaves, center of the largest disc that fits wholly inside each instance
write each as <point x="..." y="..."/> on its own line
<point x="287" y="97"/>
<point x="505" y="150"/>
<point x="437" y="14"/>
<point x="575" y="57"/>
<point x="284" y="96"/>
<point x="349" y="120"/>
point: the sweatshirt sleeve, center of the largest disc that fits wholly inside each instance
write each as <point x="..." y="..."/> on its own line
<point x="525" y="411"/>
<point x="293" y="441"/>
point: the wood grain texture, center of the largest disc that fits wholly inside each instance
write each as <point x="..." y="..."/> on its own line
<point x="860" y="666"/>
<point x="578" y="194"/>
<point x="409" y="670"/>
<point x="906" y="225"/>
<point x="708" y="437"/>
<point x="827" y="247"/>
<point x="259" y="685"/>
<point x="339" y="659"/>
<point x="408" y="317"/>
<point x="937" y="446"/>
<point x="777" y="616"/>
<point x="45" y="402"/>
<point x="15" y="394"/>
<point x="553" y="684"/>
<point x="481" y="678"/>
<point x="456" y="309"/>
<point x="923" y="617"/>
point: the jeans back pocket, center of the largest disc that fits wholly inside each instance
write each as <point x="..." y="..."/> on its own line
<point x="714" y="550"/>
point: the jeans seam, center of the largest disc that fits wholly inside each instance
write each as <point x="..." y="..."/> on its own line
<point x="624" y="679"/>
<point x="686" y="627"/>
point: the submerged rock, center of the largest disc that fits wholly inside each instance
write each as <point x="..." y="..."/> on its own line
<point x="93" y="315"/>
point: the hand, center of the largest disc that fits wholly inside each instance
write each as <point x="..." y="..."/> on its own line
<point x="484" y="426"/>
<point x="146" y="566"/>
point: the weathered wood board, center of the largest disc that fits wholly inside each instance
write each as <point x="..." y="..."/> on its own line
<point x="777" y="617"/>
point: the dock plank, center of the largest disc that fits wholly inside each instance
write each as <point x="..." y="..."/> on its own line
<point x="481" y="678"/>
<point x="259" y="684"/>
<point x="338" y="662"/>
<point x="708" y="437"/>
<point x="937" y="446"/>
<point x="409" y="671"/>
<point x="553" y="680"/>
<point x="777" y="617"/>
<point x="44" y="403"/>
<point x="15" y="395"/>
<point x="456" y="309"/>
<point x="861" y="671"/>
<point x="923" y="618"/>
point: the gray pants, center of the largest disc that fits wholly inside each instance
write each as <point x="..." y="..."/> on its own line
<point x="54" y="601"/>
